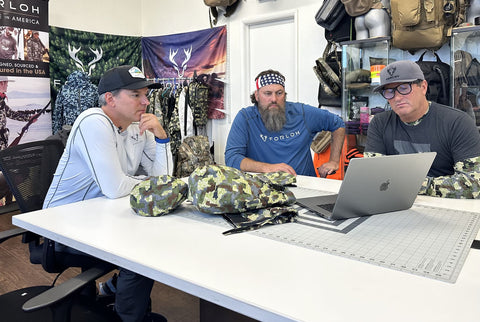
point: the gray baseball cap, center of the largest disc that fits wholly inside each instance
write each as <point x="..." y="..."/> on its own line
<point x="401" y="71"/>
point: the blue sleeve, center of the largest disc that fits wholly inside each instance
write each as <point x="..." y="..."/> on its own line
<point x="318" y="119"/>
<point x="236" y="148"/>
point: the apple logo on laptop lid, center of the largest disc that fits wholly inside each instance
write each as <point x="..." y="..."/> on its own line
<point x="384" y="185"/>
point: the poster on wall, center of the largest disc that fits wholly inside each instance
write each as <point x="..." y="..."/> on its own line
<point x="178" y="57"/>
<point x="24" y="77"/>
<point x="24" y="72"/>
<point x="82" y="57"/>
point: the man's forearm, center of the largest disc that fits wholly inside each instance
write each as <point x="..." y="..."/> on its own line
<point x="251" y="165"/>
<point x="338" y="138"/>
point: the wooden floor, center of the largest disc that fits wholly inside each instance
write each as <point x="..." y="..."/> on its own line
<point x="17" y="272"/>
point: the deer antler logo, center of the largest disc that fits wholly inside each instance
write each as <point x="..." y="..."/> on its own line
<point x="72" y="51"/>
<point x="188" y="54"/>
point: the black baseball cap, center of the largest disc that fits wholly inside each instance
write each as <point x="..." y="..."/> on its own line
<point x="124" y="77"/>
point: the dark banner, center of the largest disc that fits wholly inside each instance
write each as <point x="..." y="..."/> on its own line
<point x="24" y="76"/>
<point x="24" y="38"/>
<point x="92" y="53"/>
<point x="24" y="72"/>
<point x="180" y="56"/>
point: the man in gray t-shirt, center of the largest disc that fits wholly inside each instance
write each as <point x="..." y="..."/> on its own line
<point x="416" y="125"/>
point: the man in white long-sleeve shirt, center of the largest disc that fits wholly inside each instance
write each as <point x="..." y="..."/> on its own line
<point x="103" y="154"/>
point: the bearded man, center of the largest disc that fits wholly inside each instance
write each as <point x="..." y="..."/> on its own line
<point x="275" y="135"/>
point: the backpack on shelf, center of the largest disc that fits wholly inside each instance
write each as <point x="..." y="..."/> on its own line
<point x="330" y="14"/>
<point x="328" y="70"/>
<point x="230" y="6"/>
<point x="466" y="82"/>
<point x="333" y="17"/>
<point x="424" y="24"/>
<point x="437" y="74"/>
<point x="357" y="8"/>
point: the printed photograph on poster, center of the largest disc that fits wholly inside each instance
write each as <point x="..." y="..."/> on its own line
<point x="23" y="52"/>
<point x="25" y="111"/>
<point x="23" y="44"/>
<point x="35" y="45"/>
<point x="11" y="43"/>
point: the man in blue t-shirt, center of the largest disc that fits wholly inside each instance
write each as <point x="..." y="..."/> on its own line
<point x="415" y="125"/>
<point x="275" y="135"/>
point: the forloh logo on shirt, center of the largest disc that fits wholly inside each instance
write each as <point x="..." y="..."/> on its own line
<point x="282" y="137"/>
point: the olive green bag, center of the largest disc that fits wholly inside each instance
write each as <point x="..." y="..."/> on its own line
<point x="247" y="201"/>
<point x="158" y="196"/>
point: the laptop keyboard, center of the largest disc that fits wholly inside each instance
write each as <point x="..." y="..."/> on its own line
<point x="327" y="206"/>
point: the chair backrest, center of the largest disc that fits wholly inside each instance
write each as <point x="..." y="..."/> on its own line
<point x="28" y="169"/>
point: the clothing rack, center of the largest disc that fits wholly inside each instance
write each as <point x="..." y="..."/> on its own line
<point x="169" y="79"/>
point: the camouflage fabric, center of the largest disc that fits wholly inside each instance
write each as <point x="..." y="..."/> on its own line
<point x="75" y="96"/>
<point x="280" y="178"/>
<point x="254" y="220"/>
<point x="194" y="152"/>
<point x="218" y="189"/>
<point x="463" y="184"/>
<point x="198" y="101"/>
<point x="7" y="112"/>
<point x="35" y="49"/>
<point x="157" y="196"/>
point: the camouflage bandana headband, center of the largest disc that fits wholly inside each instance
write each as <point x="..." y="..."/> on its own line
<point x="269" y="79"/>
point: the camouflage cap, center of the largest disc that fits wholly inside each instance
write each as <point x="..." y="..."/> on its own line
<point x="157" y="196"/>
<point x="218" y="189"/>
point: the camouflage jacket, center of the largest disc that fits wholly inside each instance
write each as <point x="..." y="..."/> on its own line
<point x="77" y="95"/>
<point x="463" y="184"/>
<point x="35" y="49"/>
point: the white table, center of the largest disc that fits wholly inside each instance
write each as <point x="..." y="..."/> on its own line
<point x="259" y="277"/>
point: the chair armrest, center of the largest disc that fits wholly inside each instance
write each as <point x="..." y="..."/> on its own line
<point x="7" y="234"/>
<point x="60" y="292"/>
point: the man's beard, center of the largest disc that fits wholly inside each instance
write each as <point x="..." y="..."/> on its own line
<point x="273" y="119"/>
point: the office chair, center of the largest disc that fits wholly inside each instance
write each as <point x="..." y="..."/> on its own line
<point x="28" y="169"/>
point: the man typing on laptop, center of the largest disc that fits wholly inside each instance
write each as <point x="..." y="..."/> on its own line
<point x="416" y="125"/>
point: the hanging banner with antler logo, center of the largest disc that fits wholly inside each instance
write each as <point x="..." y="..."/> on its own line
<point x="92" y="53"/>
<point x="180" y="56"/>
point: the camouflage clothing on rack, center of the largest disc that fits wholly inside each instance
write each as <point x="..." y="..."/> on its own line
<point x="77" y="95"/>
<point x="198" y="101"/>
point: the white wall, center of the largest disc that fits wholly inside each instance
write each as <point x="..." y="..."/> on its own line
<point x="165" y="17"/>
<point x="118" y="17"/>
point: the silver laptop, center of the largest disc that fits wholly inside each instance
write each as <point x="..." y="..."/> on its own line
<point x="374" y="185"/>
